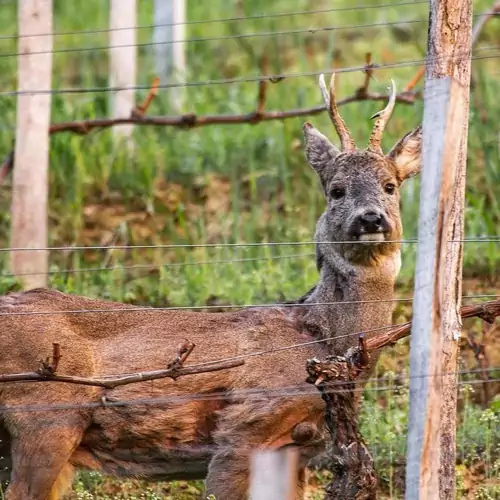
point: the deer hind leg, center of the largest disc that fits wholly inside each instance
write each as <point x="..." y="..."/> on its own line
<point x="41" y="450"/>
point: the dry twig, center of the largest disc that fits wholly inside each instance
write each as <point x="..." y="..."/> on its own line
<point x="49" y="366"/>
<point x="174" y="370"/>
<point x="261" y="97"/>
<point x="192" y="120"/>
<point x="369" y="68"/>
<point x="142" y="108"/>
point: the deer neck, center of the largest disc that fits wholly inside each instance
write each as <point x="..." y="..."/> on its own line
<point x="354" y="298"/>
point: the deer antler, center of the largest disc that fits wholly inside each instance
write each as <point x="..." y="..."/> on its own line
<point x="346" y="141"/>
<point x="382" y="119"/>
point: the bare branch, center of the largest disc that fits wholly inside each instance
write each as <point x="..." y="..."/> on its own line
<point x="369" y="67"/>
<point x="49" y="366"/>
<point x="142" y="108"/>
<point x="174" y="370"/>
<point x="349" y="366"/>
<point x="191" y="120"/>
<point x="261" y="99"/>
<point x="487" y="311"/>
<point x="413" y="82"/>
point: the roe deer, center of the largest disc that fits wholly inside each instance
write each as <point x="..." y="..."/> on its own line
<point x="205" y="437"/>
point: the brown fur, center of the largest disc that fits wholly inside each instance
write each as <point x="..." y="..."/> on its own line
<point x="188" y="438"/>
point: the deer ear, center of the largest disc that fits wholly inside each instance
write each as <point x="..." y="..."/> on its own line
<point x="406" y="154"/>
<point x="320" y="152"/>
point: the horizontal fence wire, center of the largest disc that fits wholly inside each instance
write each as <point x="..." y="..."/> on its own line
<point x="151" y="267"/>
<point x="256" y="78"/>
<point x="299" y="345"/>
<point x="171" y="246"/>
<point x="211" y="448"/>
<point x="336" y="383"/>
<point x="231" y="394"/>
<point x="220" y="20"/>
<point x="229" y="306"/>
<point x="335" y="387"/>
<point x="231" y="19"/>
<point x="311" y="31"/>
<point x="134" y="267"/>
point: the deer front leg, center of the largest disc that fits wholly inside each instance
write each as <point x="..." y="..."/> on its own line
<point x="41" y="453"/>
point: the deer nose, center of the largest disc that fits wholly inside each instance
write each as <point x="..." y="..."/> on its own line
<point x="371" y="221"/>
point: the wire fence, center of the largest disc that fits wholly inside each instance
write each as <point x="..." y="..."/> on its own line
<point x="485" y="375"/>
<point x="229" y="261"/>
<point x="311" y="31"/>
<point x="258" y="395"/>
<point x="273" y="78"/>
<point x="223" y="20"/>
<point x="169" y="265"/>
<point x="76" y="248"/>
<point x="113" y="310"/>
<point x="242" y="394"/>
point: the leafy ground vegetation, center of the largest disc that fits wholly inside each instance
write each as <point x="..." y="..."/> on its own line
<point x="248" y="183"/>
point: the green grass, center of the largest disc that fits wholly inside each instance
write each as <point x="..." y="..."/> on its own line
<point x="384" y="419"/>
<point x="242" y="183"/>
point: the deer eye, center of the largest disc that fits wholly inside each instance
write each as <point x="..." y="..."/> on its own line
<point x="389" y="188"/>
<point x="337" y="192"/>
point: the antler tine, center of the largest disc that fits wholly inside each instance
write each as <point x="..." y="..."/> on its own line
<point x="382" y="119"/>
<point x="346" y="141"/>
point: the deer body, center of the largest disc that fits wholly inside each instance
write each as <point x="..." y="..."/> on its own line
<point x="171" y="439"/>
<point x="204" y="425"/>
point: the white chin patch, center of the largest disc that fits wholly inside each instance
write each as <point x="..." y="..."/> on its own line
<point x="373" y="237"/>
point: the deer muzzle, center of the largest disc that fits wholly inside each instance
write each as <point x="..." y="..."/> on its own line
<point x="370" y="226"/>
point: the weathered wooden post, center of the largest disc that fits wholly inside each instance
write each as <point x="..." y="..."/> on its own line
<point x="273" y="474"/>
<point x="162" y="36"/>
<point x="123" y="63"/>
<point x="170" y="52"/>
<point x="30" y="184"/>
<point x="430" y="471"/>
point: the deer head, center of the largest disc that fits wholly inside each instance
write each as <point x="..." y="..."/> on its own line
<point x="361" y="186"/>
